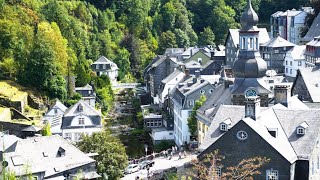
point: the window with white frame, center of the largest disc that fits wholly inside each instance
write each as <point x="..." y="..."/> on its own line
<point x="103" y="66"/>
<point x="97" y="66"/>
<point x="242" y="135"/>
<point x="202" y="91"/>
<point x="290" y="71"/>
<point x="210" y="91"/>
<point x="55" y="111"/>
<point x="223" y="127"/>
<point x="300" y="131"/>
<point x="272" y="174"/>
<point x="81" y="121"/>
<point x="191" y="102"/>
<point x="299" y="63"/>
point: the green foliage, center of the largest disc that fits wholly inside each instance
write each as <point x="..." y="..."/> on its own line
<point x="46" y="131"/>
<point x="206" y="37"/>
<point x="164" y="145"/>
<point x="111" y="158"/>
<point x="192" y="120"/>
<point x="8" y="68"/>
<point x="104" y="92"/>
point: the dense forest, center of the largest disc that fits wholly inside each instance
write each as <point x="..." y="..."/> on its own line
<point x="44" y="41"/>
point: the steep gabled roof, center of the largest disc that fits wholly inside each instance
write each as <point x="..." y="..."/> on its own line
<point x="84" y="88"/>
<point x="314" y="30"/>
<point x="58" y="104"/>
<point x="40" y="155"/>
<point x="297" y="52"/>
<point x="86" y="110"/>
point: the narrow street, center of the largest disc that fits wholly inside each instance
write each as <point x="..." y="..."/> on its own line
<point x="161" y="164"/>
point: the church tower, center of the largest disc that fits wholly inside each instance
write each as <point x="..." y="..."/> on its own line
<point x="249" y="69"/>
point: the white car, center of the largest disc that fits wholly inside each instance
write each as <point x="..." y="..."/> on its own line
<point x="132" y="168"/>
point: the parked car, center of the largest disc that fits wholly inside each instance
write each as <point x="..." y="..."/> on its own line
<point x="132" y="168"/>
<point x="145" y="164"/>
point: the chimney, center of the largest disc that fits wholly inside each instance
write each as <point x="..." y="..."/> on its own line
<point x="282" y="93"/>
<point x="187" y="72"/>
<point x="195" y="79"/>
<point x="252" y="107"/>
<point x="197" y="73"/>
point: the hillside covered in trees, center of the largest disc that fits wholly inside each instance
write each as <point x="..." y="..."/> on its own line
<point x="44" y="41"/>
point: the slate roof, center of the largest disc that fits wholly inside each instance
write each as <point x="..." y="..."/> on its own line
<point x="106" y="61"/>
<point x="84" y="88"/>
<point x="290" y="145"/>
<point x="277" y="42"/>
<point x="297" y="52"/>
<point x="174" y="74"/>
<point x="7" y="141"/>
<point x="59" y="105"/>
<point x="315" y="42"/>
<point x="263" y="36"/>
<point x="314" y="30"/>
<point x="31" y="152"/>
<point x="220" y="96"/>
<point x="313" y="84"/>
<point x="242" y="84"/>
<point x="87" y="110"/>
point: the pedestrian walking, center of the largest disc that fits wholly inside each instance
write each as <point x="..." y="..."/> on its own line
<point x="185" y="154"/>
<point x="179" y="156"/>
<point x="176" y="149"/>
<point x="173" y="148"/>
<point x="171" y="155"/>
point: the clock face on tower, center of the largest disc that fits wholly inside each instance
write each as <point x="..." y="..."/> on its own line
<point x="250" y="93"/>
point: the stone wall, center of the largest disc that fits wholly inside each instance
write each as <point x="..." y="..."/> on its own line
<point x="5" y="114"/>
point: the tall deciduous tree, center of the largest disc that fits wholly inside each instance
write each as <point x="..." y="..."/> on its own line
<point x="167" y="40"/>
<point x="206" y="37"/>
<point x="111" y="158"/>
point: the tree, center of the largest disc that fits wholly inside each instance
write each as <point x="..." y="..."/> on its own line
<point x="208" y="167"/>
<point x="167" y="40"/>
<point x="206" y="37"/>
<point x="8" y="68"/>
<point x="111" y="158"/>
<point x="46" y="131"/>
<point x="192" y="120"/>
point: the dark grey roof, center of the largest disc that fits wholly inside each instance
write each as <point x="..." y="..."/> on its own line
<point x="311" y="79"/>
<point x="314" y="30"/>
<point x="242" y="84"/>
<point x="285" y="120"/>
<point x="40" y="155"/>
<point x="249" y="18"/>
<point x="249" y="65"/>
<point x="31" y="128"/>
<point x="220" y="96"/>
<point x="277" y="42"/>
<point x="67" y="120"/>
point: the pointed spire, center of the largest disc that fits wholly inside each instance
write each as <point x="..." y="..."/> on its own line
<point x="249" y="17"/>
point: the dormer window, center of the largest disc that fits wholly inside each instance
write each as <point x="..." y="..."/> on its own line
<point x="300" y="131"/>
<point x="223" y="127"/>
<point x="61" y="152"/>
<point x="80" y="108"/>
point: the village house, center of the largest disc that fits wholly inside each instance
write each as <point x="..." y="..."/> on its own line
<point x="289" y="24"/>
<point x="88" y="94"/>
<point x="274" y="52"/>
<point x="104" y="66"/>
<point x="184" y="97"/>
<point x="46" y="157"/>
<point x="81" y="118"/>
<point x="294" y="60"/>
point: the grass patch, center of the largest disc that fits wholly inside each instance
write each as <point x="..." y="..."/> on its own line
<point x="11" y="91"/>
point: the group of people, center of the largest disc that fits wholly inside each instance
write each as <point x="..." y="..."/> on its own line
<point x="173" y="151"/>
